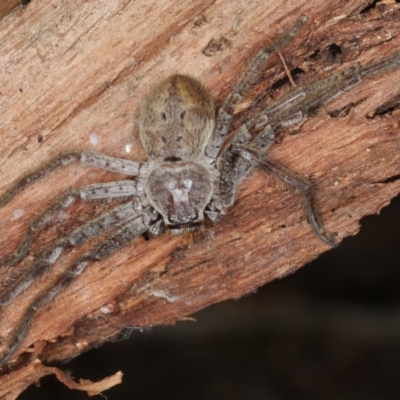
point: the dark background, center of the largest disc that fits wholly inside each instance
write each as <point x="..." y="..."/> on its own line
<point x="329" y="331"/>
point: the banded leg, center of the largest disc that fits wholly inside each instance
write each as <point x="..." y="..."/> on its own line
<point x="387" y="64"/>
<point x="249" y="78"/>
<point x="121" y="238"/>
<point x="233" y="168"/>
<point x="293" y="179"/>
<point x="98" y="191"/>
<point x="288" y="110"/>
<point x="119" y="165"/>
<point x="294" y="106"/>
<point x="46" y="258"/>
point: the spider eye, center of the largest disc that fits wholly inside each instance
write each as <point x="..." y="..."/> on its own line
<point x="183" y="113"/>
<point x="163" y="116"/>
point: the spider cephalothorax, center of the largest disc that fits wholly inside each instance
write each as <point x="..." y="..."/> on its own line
<point x="192" y="172"/>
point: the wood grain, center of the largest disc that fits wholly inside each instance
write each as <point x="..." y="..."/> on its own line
<point x="74" y="74"/>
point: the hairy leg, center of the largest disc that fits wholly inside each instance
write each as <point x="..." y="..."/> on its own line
<point x="288" y="110"/>
<point x="292" y="179"/>
<point x="109" y="246"/>
<point x="121" y="166"/>
<point x="91" y="192"/>
<point x="46" y="258"/>
<point x="294" y="106"/>
<point x="233" y="168"/>
<point x="387" y="64"/>
<point x="248" y="79"/>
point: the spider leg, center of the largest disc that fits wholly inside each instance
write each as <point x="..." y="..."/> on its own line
<point x="110" y="245"/>
<point x="387" y="64"/>
<point x="46" y="258"/>
<point x="241" y="155"/>
<point x="293" y="179"/>
<point x="233" y="164"/>
<point x="90" y="192"/>
<point x="119" y="165"/>
<point x="288" y="110"/>
<point x="292" y="107"/>
<point x="249" y="78"/>
<point x="233" y="168"/>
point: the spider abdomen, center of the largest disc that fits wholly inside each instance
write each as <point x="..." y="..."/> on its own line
<point x="177" y="120"/>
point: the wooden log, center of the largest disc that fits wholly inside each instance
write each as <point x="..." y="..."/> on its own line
<point x="74" y="75"/>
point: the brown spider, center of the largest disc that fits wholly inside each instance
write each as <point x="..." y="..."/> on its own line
<point x="190" y="174"/>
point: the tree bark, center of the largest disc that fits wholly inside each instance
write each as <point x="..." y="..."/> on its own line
<point x="73" y="77"/>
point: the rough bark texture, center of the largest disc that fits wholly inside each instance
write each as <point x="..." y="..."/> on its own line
<point x="73" y="76"/>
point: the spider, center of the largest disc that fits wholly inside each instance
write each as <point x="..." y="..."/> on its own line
<point x="191" y="173"/>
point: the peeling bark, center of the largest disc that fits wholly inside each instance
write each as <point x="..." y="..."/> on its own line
<point x="74" y="76"/>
